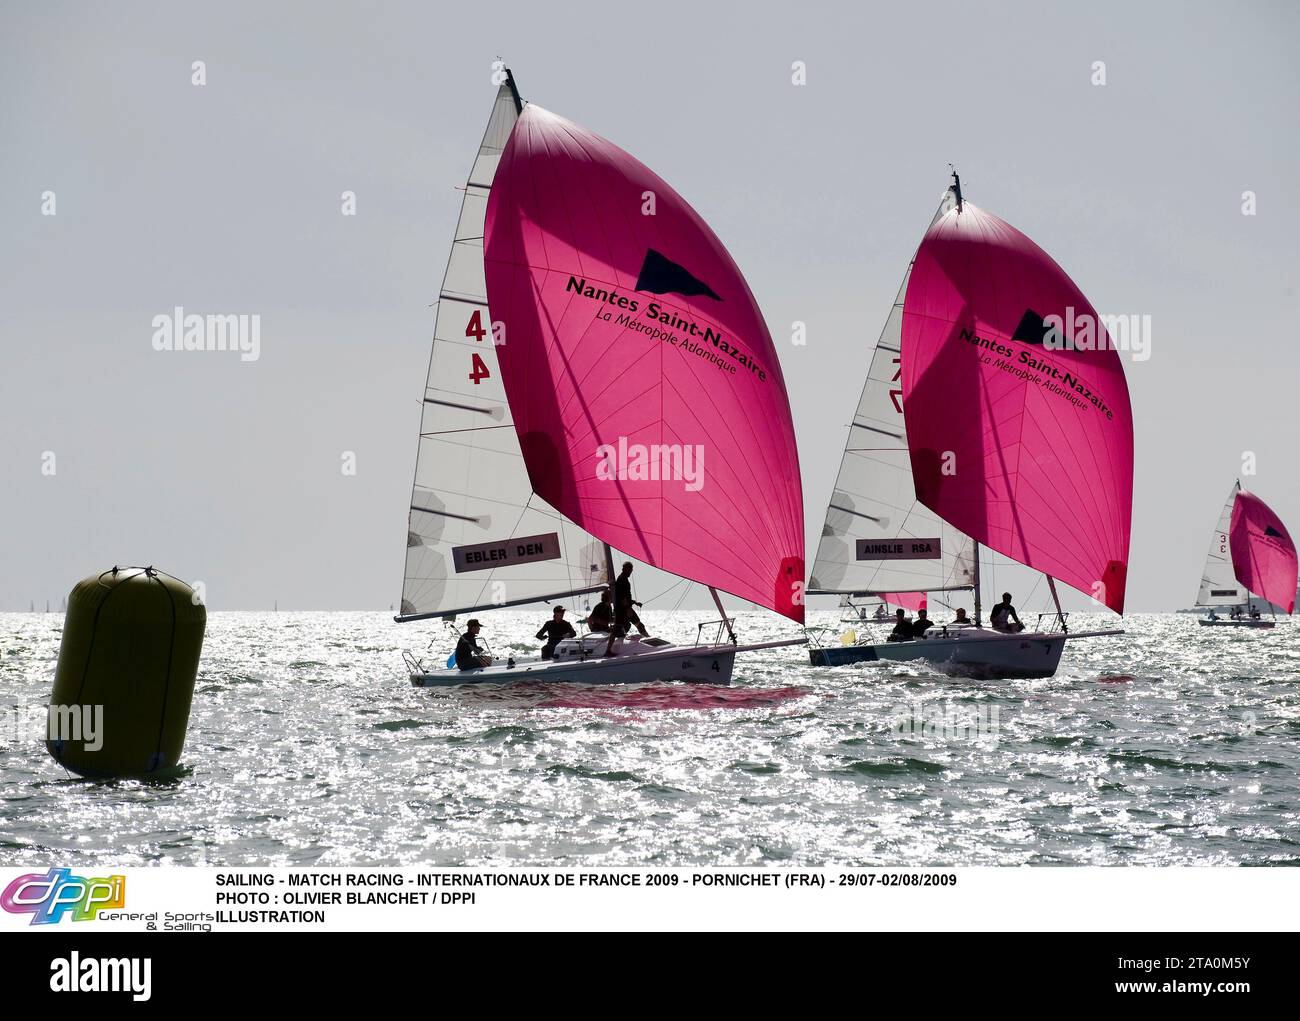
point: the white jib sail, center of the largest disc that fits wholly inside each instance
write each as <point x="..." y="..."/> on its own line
<point x="477" y="536"/>
<point x="1219" y="585"/>
<point x="877" y="536"/>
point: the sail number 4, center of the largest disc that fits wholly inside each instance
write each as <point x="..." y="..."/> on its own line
<point x="478" y="368"/>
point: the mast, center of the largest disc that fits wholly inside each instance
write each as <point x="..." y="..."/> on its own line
<point x="514" y="91"/>
<point x="976" y="587"/>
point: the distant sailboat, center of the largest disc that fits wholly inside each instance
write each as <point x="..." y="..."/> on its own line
<point x="601" y="377"/>
<point x="1251" y="554"/>
<point x="972" y="431"/>
<point x="858" y="612"/>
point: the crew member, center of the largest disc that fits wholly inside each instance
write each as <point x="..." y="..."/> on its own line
<point x="902" y="628"/>
<point x="602" y="614"/>
<point x="1004" y="616"/>
<point x="469" y="656"/>
<point x="555" y="631"/>
<point x="624" y="615"/>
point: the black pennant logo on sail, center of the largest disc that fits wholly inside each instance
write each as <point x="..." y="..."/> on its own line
<point x="660" y="275"/>
<point x="1032" y="329"/>
<point x="1270" y="530"/>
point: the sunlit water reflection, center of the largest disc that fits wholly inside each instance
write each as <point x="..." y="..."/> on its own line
<point x="307" y="745"/>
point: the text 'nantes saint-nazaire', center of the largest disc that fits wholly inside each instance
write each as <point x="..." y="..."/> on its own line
<point x="1040" y="372"/>
<point x="655" y="311"/>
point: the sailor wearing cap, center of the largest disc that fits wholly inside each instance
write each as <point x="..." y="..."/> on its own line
<point x="468" y="654"/>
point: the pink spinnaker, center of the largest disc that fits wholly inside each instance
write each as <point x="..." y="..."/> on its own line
<point x="907" y="600"/>
<point x="643" y="384"/>
<point x="1025" y="446"/>
<point x="1263" y="555"/>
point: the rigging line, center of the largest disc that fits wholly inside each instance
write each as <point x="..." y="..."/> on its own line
<point x="1033" y="591"/>
<point x="475" y="429"/>
<point x="490" y="577"/>
<point x="679" y="581"/>
<point x="568" y="560"/>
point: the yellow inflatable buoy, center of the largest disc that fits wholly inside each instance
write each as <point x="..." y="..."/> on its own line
<point x="125" y="677"/>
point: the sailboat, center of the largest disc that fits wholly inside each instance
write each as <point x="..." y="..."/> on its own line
<point x="863" y="613"/>
<point x="1251" y="554"/>
<point x="601" y="378"/>
<point x="981" y="426"/>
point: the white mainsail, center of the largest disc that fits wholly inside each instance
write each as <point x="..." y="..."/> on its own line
<point x="1219" y="585"/>
<point x="478" y="536"/>
<point x="874" y="500"/>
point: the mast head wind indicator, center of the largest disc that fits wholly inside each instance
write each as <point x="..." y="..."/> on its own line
<point x="956" y="183"/>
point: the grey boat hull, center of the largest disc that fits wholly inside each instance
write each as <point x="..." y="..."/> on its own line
<point x="701" y="664"/>
<point x="974" y="652"/>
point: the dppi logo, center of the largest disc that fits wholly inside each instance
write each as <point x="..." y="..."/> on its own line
<point x="47" y="898"/>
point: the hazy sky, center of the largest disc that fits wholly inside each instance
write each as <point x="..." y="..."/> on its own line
<point x="225" y="198"/>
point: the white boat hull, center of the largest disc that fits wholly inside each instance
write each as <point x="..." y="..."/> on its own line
<point x="632" y="663"/>
<point x="970" y="652"/>
<point x="1206" y="622"/>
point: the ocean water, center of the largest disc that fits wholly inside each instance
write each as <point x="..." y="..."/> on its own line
<point x="307" y="746"/>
